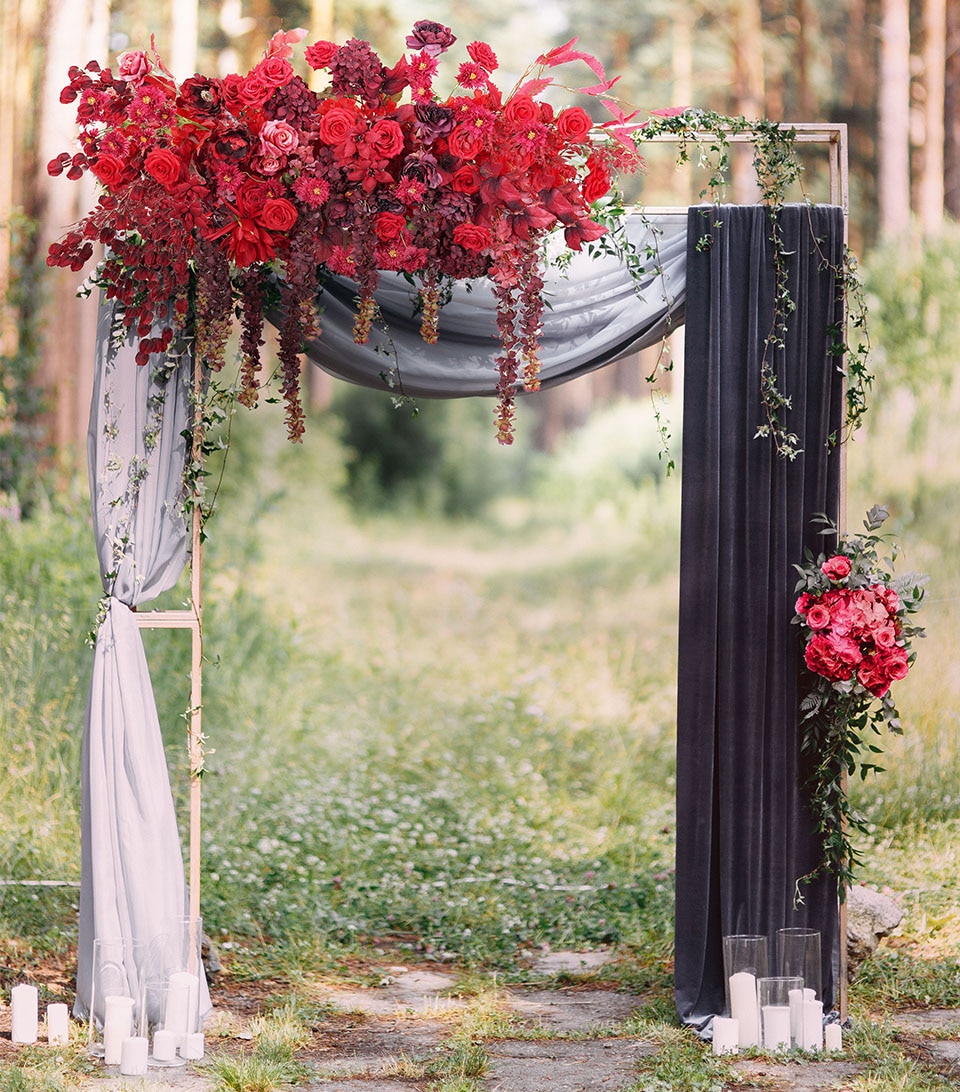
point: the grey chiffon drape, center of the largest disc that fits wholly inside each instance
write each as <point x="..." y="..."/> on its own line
<point x="596" y="312"/>
<point x="743" y="835"/>
<point x="132" y="875"/>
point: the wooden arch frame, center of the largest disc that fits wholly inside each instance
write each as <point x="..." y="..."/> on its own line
<point x="833" y="135"/>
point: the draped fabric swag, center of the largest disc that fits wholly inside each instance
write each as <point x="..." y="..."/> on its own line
<point x="742" y="834"/>
<point x="132" y="879"/>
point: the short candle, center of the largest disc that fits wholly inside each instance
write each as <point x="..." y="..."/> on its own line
<point x="726" y="1035"/>
<point x="192" y="1046"/>
<point x="833" y="1037"/>
<point x="165" y="1043"/>
<point x="58" y="1023"/>
<point x="133" y="1056"/>
<point x="776" y="1027"/>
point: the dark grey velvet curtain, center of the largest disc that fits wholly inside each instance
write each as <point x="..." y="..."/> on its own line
<point x="744" y="835"/>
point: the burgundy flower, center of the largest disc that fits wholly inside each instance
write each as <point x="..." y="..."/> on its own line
<point x="433" y="120"/>
<point x="232" y="144"/>
<point x="201" y="95"/>
<point x="430" y="37"/>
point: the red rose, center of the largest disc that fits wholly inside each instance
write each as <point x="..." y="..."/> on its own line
<point x="108" y="169"/>
<point x="275" y="71"/>
<point x="521" y="110"/>
<point x="336" y="125"/>
<point x="574" y="125"/>
<point x="387" y="138"/>
<point x="471" y="237"/>
<point x="320" y="54"/>
<point x="254" y="90"/>
<point x="466" y="179"/>
<point x="837" y="568"/>
<point x="164" y="166"/>
<point x="278" y="214"/>
<point x="595" y="185"/>
<point x="133" y="66"/>
<point x="390" y="224"/>
<point x="483" y="55"/>
<point x="465" y="142"/>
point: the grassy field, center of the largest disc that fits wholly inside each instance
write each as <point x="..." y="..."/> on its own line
<point x="454" y="738"/>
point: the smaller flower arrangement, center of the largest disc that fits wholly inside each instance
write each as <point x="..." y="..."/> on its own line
<point x="854" y="617"/>
<point x="215" y="191"/>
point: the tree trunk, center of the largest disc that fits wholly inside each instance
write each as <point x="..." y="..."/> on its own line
<point x="748" y="87"/>
<point x="951" y="105"/>
<point x="934" y="72"/>
<point x="74" y="29"/>
<point x="893" y="198"/>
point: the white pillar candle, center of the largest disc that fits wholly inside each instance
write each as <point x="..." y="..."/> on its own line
<point x="833" y="1037"/>
<point x="726" y="1035"/>
<point x="182" y="992"/>
<point x="812" y="1025"/>
<point x="133" y="1056"/>
<point x="117" y="1023"/>
<point x="192" y="1046"/>
<point x="165" y="1043"/>
<point x="744" y="1007"/>
<point x="58" y="1023"/>
<point x="776" y="1027"/>
<point x="796" y="1016"/>
<point x="809" y="994"/>
<point x="23" y="1014"/>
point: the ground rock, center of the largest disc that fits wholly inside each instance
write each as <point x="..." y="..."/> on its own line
<point x="870" y="916"/>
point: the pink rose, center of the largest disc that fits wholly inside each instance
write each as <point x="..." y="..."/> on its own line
<point x="133" y="66"/>
<point x="254" y="90"/>
<point x="386" y="137"/>
<point x="336" y="125"/>
<point x="278" y="138"/>
<point x="465" y="142"/>
<point x="818" y="616"/>
<point x="574" y="125"/>
<point x="804" y="603"/>
<point x="837" y="568"/>
<point x="164" y="166"/>
<point x="471" y="237"/>
<point x="278" y="214"/>
<point x="320" y="54"/>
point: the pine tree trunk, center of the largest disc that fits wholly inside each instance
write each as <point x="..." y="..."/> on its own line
<point x="748" y="86"/>
<point x="934" y="71"/>
<point x="893" y="198"/>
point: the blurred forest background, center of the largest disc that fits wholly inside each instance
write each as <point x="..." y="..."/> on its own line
<point x="890" y="69"/>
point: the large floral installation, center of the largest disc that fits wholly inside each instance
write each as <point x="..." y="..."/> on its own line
<point x="216" y="192"/>
<point x="857" y="632"/>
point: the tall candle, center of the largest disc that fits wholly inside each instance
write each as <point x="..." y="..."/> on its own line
<point x="117" y="1021"/>
<point x="726" y="1035"/>
<point x="833" y="1037"/>
<point x="58" y="1023"/>
<point x="182" y="992"/>
<point x="133" y="1056"/>
<point x="812" y="1025"/>
<point x="796" y="1016"/>
<point x="744" y="1007"/>
<point x="23" y="1014"/>
<point x="776" y="1027"/>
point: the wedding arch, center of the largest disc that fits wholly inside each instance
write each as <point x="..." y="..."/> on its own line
<point x="744" y="833"/>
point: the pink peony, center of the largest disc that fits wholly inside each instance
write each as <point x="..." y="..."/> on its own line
<point x="836" y="568"/>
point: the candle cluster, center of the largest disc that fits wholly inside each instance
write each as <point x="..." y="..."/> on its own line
<point x="774" y="1012"/>
<point x="25" y="1017"/>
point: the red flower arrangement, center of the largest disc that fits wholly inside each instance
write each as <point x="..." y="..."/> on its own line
<point x="854" y="617"/>
<point x="212" y="184"/>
